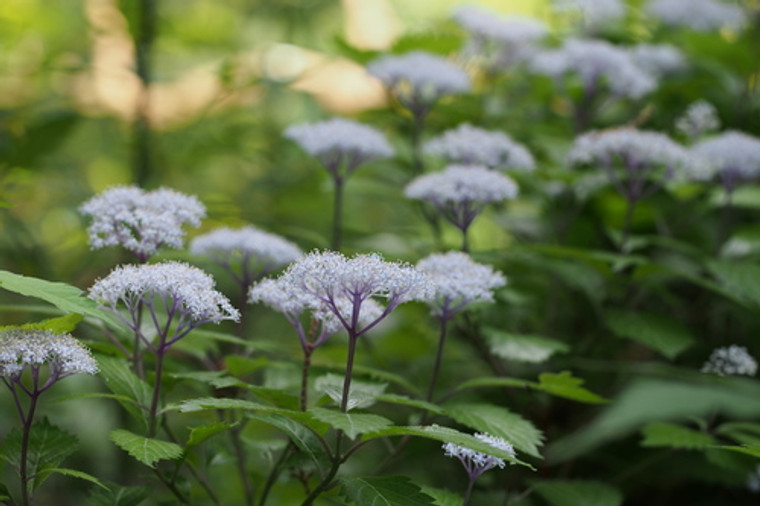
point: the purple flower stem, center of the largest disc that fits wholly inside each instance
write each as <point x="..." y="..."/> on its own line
<point x="468" y="492"/>
<point x="438" y="359"/>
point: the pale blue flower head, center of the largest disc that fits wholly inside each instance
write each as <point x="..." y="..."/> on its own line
<point x="699" y="15"/>
<point x="470" y="145"/>
<point x="700" y="117"/>
<point x="733" y="156"/>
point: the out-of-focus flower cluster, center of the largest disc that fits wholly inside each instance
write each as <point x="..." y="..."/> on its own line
<point x="470" y="145"/>
<point x="24" y="349"/>
<point x="700" y="15"/>
<point x="730" y="361"/>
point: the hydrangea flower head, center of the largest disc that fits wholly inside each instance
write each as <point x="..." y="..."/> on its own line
<point x="340" y="143"/>
<point x="700" y="118"/>
<point x="344" y="286"/>
<point x="593" y="13"/>
<point x="501" y="40"/>
<point x="418" y="79"/>
<point x="461" y="192"/>
<point x="184" y="290"/>
<point x="257" y="251"/>
<point x="459" y="282"/>
<point x="699" y="15"/>
<point x="470" y="145"/>
<point x="29" y="349"/>
<point x="658" y="59"/>
<point x="596" y="62"/>
<point x="477" y="463"/>
<point x="730" y="361"/>
<point x="733" y="156"/>
<point x="141" y="221"/>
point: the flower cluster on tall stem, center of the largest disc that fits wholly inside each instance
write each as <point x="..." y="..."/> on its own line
<point x="31" y="362"/>
<point x="177" y="297"/>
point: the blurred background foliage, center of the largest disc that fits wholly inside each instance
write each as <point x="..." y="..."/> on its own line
<point x="228" y="77"/>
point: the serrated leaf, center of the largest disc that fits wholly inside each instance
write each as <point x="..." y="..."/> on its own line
<point x="303" y="438"/>
<point x="408" y="401"/>
<point x="443" y="497"/>
<point x="120" y="380"/>
<point x="663" y="335"/>
<point x="48" y="447"/>
<point x="65" y="297"/>
<point x="578" y="493"/>
<point x="523" y="348"/>
<point x="118" y="496"/>
<point x="352" y="424"/>
<point x="59" y="325"/>
<point x="566" y="385"/>
<point x="74" y="474"/>
<point x="384" y="491"/>
<point x="362" y="394"/>
<point x="201" y="433"/>
<point x="670" y="435"/>
<point x="498" y="422"/>
<point x="146" y="450"/>
<point x="445" y="435"/>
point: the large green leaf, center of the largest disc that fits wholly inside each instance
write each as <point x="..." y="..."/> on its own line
<point x="739" y="281"/>
<point x="664" y="335"/>
<point x="403" y="400"/>
<point x="74" y="474"/>
<point x="352" y="424"/>
<point x="523" y="348"/>
<point x="384" y="491"/>
<point x="446" y="435"/>
<point x="60" y="325"/>
<point x="670" y="435"/>
<point x="302" y="437"/>
<point x="201" y="433"/>
<point x="578" y="493"/>
<point x="650" y="400"/>
<point x="498" y="422"/>
<point x="65" y="297"/>
<point x="48" y="447"/>
<point x="562" y="384"/>
<point x="146" y="450"/>
<point x="443" y="497"/>
<point x="361" y="395"/>
<point x="125" y="384"/>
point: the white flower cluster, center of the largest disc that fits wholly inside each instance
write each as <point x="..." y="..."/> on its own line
<point x="700" y="117"/>
<point x="470" y="145"/>
<point x="596" y="62"/>
<point x="340" y="142"/>
<point x="141" y="221"/>
<point x="65" y="355"/>
<point x="700" y="15"/>
<point x="258" y="251"/>
<point x="346" y="287"/>
<point x="633" y="149"/>
<point x="418" y="79"/>
<point x="658" y="59"/>
<point x="476" y="463"/>
<point x="462" y="184"/>
<point x="182" y="288"/>
<point x="730" y="361"/>
<point x="458" y="282"/>
<point x="733" y="156"/>
<point x="501" y="40"/>
<point x="594" y="13"/>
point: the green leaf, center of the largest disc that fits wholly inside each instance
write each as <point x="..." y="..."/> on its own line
<point x="498" y="422"/>
<point x="60" y="325"/>
<point x="739" y="281"/>
<point x="120" y="380"/>
<point x="403" y="400"/>
<point x="670" y="435"/>
<point x="65" y="297"/>
<point x="568" y="386"/>
<point x="201" y="433"/>
<point x="352" y="424"/>
<point x="664" y="335"/>
<point x="523" y="348"/>
<point x="48" y="447"/>
<point x="578" y="493"/>
<point x="443" y="497"/>
<point x="74" y="474"/>
<point x="361" y="395"/>
<point x="741" y="432"/>
<point x="206" y="403"/>
<point x="445" y="435"/>
<point x="302" y="437"/>
<point x="753" y="450"/>
<point x="146" y="450"/>
<point x="384" y="491"/>
<point x="650" y="400"/>
<point x="118" y="496"/>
